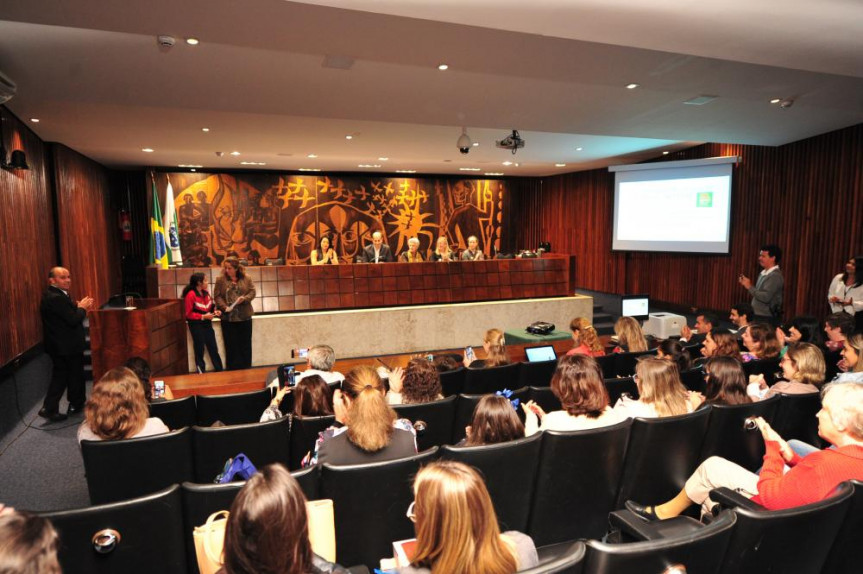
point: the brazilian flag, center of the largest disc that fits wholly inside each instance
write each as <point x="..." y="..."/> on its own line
<point x="158" y="247"/>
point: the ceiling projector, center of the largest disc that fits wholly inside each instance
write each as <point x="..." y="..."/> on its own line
<point x="511" y="142"/>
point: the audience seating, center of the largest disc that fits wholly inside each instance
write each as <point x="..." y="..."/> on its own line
<point x="616" y="387"/>
<point x="661" y="455"/>
<point x="235" y="409"/>
<point x="795" y="417"/>
<point x="844" y="557"/>
<point x="624" y="363"/>
<point x="831" y="360"/>
<point x="766" y="367"/>
<point x="452" y="382"/>
<point x="727" y="438"/>
<point x="262" y="443"/>
<point x="304" y="433"/>
<point x="693" y="380"/>
<point x="123" y="469"/>
<point x="199" y="502"/>
<point x="544" y="398"/>
<point x="177" y="414"/>
<point x="467" y="403"/>
<point x="432" y="421"/>
<point x="701" y="552"/>
<point x="576" y="483"/>
<point x="491" y="379"/>
<point x="370" y="502"/>
<point x="568" y="558"/>
<point x="607" y="364"/>
<point x="536" y="374"/>
<point x="310" y="481"/>
<point x="509" y="470"/>
<point x="150" y="532"/>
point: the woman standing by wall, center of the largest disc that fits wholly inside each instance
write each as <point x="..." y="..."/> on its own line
<point x="234" y="293"/>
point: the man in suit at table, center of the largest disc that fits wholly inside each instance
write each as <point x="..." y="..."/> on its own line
<point x="378" y="251"/>
<point x="63" y="329"/>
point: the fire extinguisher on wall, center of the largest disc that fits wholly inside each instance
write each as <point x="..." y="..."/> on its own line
<point x="125" y="226"/>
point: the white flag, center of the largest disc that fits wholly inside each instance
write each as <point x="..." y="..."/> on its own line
<point x="172" y="228"/>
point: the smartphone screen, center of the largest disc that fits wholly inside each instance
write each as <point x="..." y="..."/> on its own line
<point x="158" y="389"/>
<point x="430" y="358"/>
<point x="303" y="353"/>
<point x="468" y="353"/>
<point x="287" y="376"/>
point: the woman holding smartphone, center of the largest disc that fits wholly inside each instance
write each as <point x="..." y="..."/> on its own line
<point x="234" y="293"/>
<point x="200" y="312"/>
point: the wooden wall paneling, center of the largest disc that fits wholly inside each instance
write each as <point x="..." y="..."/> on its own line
<point x="27" y="237"/>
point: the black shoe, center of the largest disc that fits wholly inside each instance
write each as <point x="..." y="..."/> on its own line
<point x="644" y="512"/>
<point x="54" y="417"/>
<point x="74" y="409"/>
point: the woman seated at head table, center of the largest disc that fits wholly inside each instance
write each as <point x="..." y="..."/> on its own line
<point x="412" y="255"/>
<point x="442" y="252"/>
<point x="325" y="255"/>
<point x="811" y="478"/>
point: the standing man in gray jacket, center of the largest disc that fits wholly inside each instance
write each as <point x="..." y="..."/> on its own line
<point x="767" y="290"/>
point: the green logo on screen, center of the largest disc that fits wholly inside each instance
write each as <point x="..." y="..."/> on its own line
<point x="705" y="199"/>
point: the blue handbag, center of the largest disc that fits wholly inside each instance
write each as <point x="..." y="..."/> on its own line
<point x="236" y="468"/>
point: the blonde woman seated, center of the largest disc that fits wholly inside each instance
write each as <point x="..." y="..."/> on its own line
<point x="418" y="383"/>
<point x="851" y="364"/>
<point x="412" y="255"/>
<point x="803" y="369"/>
<point x="494" y="421"/>
<point x="118" y="409"/>
<point x="495" y="351"/>
<point x="630" y="337"/>
<point x="442" y="252"/>
<point x="325" y="255"/>
<point x="456" y="527"/>
<point x="661" y="394"/>
<point x="577" y="384"/>
<point x="585" y="341"/>
<point x="760" y="342"/>
<point x="370" y="431"/>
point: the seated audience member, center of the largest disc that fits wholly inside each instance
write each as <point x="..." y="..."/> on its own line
<point x="369" y="430"/>
<point x="851" y="364"/>
<point x="671" y="350"/>
<point x="838" y="327"/>
<point x="28" y="543"/>
<point x="802" y="329"/>
<point x="142" y="369"/>
<point x="495" y="351"/>
<point x="456" y="527"/>
<point x="412" y="255"/>
<point x="268" y="529"/>
<point x="494" y="420"/>
<point x="378" y="251"/>
<point x="661" y="394"/>
<point x="741" y="315"/>
<point x="704" y="323"/>
<point x="325" y="255"/>
<point x="810" y="479"/>
<point x="577" y="384"/>
<point x="720" y="343"/>
<point x="585" y="341"/>
<point x="472" y="253"/>
<point x="313" y="397"/>
<point x="802" y="368"/>
<point x="726" y="384"/>
<point x="418" y="383"/>
<point x="761" y="343"/>
<point x="446" y="362"/>
<point x="118" y="409"/>
<point x="319" y="361"/>
<point x="630" y="337"/>
<point x="846" y="289"/>
<point x="442" y="252"/>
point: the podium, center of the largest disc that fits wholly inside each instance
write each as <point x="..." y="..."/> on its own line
<point x="155" y="330"/>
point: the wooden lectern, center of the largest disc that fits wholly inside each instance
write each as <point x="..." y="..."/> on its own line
<point x="155" y="330"/>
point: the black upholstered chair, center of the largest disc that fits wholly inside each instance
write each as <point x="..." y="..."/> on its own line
<point x="310" y="481"/>
<point x="624" y="363"/>
<point x="177" y="414"/>
<point x="491" y="379"/>
<point x="831" y="361"/>
<point x="544" y="398"/>
<point x="199" y="502"/>
<point x="565" y="558"/>
<point x="234" y="409"/>
<point x="795" y="417"/>
<point x="693" y="380"/>
<point x="608" y="365"/>
<point x="304" y="433"/>
<point x="123" y="469"/>
<point x="509" y="470"/>
<point x="452" y="382"/>
<point x="138" y="536"/>
<point x="370" y="502"/>
<point x="766" y="367"/>
<point x="661" y="455"/>
<point x="701" y="552"/>
<point x="616" y="387"/>
<point x="262" y="443"/>
<point x="432" y="421"/>
<point x="726" y="436"/>
<point x="576" y="484"/>
<point x="844" y="557"/>
<point x="536" y="374"/>
<point x="467" y="403"/>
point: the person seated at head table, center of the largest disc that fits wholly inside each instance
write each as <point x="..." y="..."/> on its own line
<point x="325" y="255"/>
<point x="472" y="253"/>
<point x="803" y="370"/>
<point x="378" y="251"/>
<point x="585" y="340"/>
<point x="494" y="345"/>
<point x="494" y="421"/>
<point x="419" y="382"/>
<point x="442" y="252"/>
<point x="412" y="255"/>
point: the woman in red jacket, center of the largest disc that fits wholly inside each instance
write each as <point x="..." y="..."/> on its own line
<point x="200" y="311"/>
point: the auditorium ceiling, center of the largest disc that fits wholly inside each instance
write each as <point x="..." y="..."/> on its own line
<point x="280" y="81"/>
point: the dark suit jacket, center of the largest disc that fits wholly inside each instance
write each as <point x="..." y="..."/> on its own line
<point x="62" y="323"/>
<point x="385" y="254"/>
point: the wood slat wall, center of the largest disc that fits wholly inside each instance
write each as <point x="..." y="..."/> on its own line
<point x="805" y="196"/>
<point x="27" y="239"/>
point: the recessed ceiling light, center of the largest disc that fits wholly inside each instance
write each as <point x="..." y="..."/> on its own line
<point x="147" y="150"/>
<point x="34" y="120"/>
<point x="309" y="169"/>
<point x="469" y="169"/>
<point x="406" y="171"/>
<point x="383" y="159"/>
<point x="192" y="41"/>
<point x="205" y="129"/>
<point x="507" y="163"/>
<point x="579" y="149"/>
<point x="364" y="165"/>
<point x="560" y="165"/>
<point x="252" y="163"/>
<point x="493" y="173"/>
<point x="312" y="156"/>
<point x="775" y="100"/>
<point x="193" y="169"/>
<point x="631" y="86"/>
<point x="475" y="144"/>
<point x="235" y="153"/>
<point x="665" y="153"/>
<point x="349" y="137"/>
<point x="442" y="67"/>
<point x="189" y="165"/>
